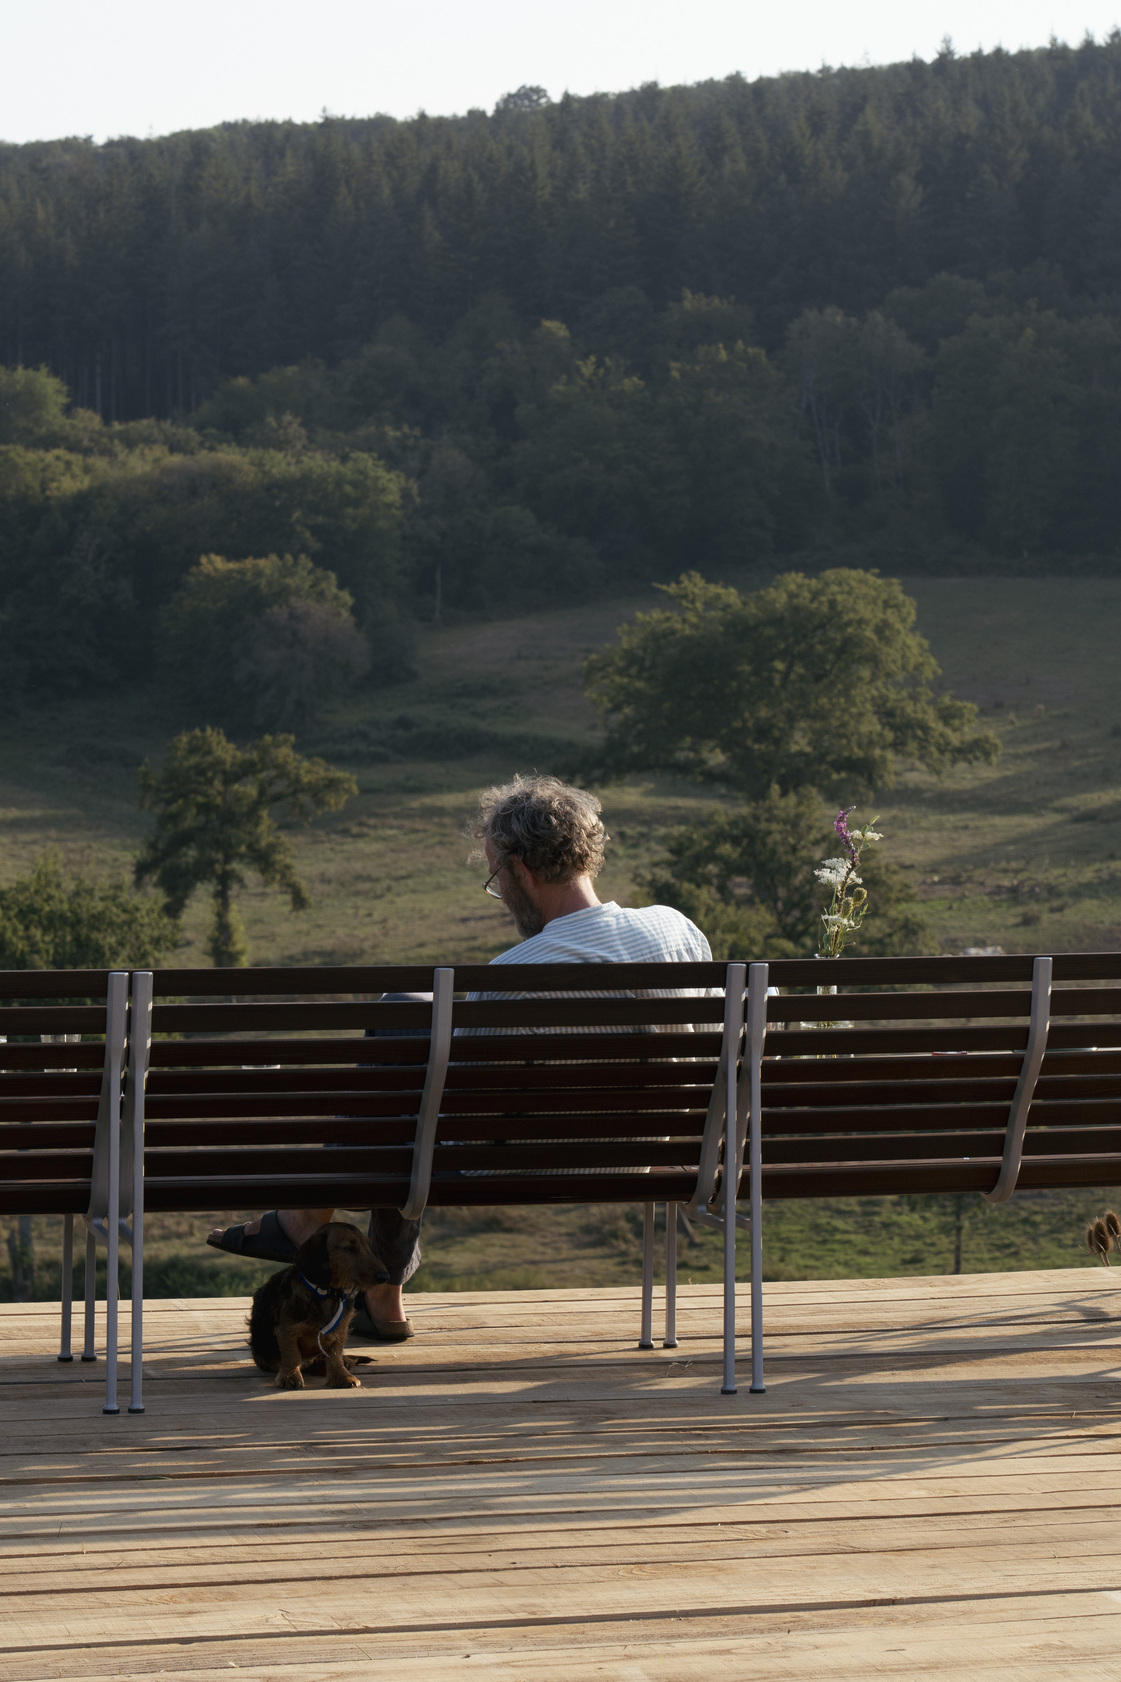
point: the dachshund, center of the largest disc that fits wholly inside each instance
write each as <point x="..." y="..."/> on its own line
<point x="300" y="1317"/>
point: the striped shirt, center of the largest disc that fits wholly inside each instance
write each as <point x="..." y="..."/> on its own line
<point x="610" y="934"/>
<point x="607" y="934"/>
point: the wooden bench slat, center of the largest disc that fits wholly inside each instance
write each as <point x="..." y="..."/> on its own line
<point x="48" y="1136"/>
<point x="361" y="1192"/>
<point x="40" y="1165"/>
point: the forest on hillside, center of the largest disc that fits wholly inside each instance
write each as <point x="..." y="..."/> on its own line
<point x="468" y="364"/>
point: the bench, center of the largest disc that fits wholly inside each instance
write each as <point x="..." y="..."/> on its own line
<point x="916" y="1075"/>
<point x="453" y="1101"/>
<point x="62" y="1086"/>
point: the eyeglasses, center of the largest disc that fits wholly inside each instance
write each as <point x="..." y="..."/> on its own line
<point x="487" y="889"/>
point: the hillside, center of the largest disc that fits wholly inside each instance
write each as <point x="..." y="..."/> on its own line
<point x="1025" y="854"/>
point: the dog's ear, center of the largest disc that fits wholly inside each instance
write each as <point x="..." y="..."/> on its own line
<point x="312" y="1258"/>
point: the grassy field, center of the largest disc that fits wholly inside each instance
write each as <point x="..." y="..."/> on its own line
<point x="1023" y="855"/>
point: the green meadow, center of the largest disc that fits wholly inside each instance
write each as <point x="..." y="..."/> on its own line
<point x="1024" y="854"/>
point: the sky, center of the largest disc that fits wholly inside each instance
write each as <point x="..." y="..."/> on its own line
<point x="151" y="67"/>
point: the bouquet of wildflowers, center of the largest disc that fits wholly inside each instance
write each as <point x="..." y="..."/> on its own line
<point x="850" y="899"/>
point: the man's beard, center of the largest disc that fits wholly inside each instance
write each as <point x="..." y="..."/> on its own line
<point x="527" y="918"/>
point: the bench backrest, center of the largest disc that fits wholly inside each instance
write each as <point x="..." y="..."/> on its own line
<point x="920" y="1073"/>
<point x="453" y="1100"/>
<point x="60" y="1096"/>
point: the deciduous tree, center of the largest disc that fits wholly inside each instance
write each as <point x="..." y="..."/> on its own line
<point x="811" y="683"/>
<point x="214" y="805"/>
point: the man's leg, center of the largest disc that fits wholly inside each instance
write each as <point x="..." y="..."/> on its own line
<point x="296" y="1224"/>
<point x="397" y="1242"/>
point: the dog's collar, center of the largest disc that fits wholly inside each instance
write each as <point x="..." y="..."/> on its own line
<point x="343" y="1298"/>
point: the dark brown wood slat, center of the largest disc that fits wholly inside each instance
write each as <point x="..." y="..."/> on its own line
<point x="876" y="1093"/>
<point x="1044" y="1173"/>
<point x="846" y="1180"/>
<point x="1082" y="1036"/>
<point x="1069" y="1087"/>
<point x="457" y="1191"/>
<point x="780" y="1071"/>
<point x="48" y="1136"/>
<point x="242" y="1106"/>
<point x="591" y="1125"/>
<point x="52" y="1019"/>
<point x="90" y="1055"/>
<point x="168" y="1083"/>
<point x="521" y="1159"/>
<point x="353" y="1052"/>
<point x="235" y="1053"/>
<point x="566" y="978"/>
<point x="896" y="1042"/>
<point x="324" y="1016"/>
<point x="945" y="971"/>
<point x="885" y="1147"/>
<point x="910" y="1007"/>
<point x="193" y="1134"/>
<point x="54" y="1109"/>
<point x="1073" y="1140"/>
<point x="891" y="1117"/>
<point x="51" y="1083"/>
<point x="54" y="984"/>
<point x="462" y="1082"/>
<point x="585" y="1011"/>
<point x="573" y="1077"/>
<point x="1083" y="1112"/>
<point x="519" y="1101"/>
<point x="788" y="972"/>
<point x="37" y="1165"/>
<point x="44" y="1197"/>
<point x="160" y="1135"/>
<point x="274" y="1162"/>
<point x="293" y="981"/>
<point x="1056" y="1063"/>
<point x="843" y="1179"/>
<point x="312" y="1015"/>
<point x="562" y="1048"/>
<point x="680" y="1124"/>
<point x="467" y="1191"/>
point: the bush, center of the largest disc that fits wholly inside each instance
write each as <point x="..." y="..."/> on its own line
<point x="746" y="877"/>
<point x="263" y="642"/>
<point x="49" y="920"/>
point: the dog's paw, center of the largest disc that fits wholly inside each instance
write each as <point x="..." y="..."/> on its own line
<point x="343" y="1381"/>
<point x="290" y="1380"/>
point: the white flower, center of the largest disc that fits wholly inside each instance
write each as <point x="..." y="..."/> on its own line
<point x="834" y="872"/>
<point x="835" y="920"/>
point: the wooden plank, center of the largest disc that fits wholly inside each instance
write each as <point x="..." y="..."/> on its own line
<point x="521" y="1485"/>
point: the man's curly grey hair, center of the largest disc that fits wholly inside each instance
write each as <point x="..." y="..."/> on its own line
<point x="554" y="829"/>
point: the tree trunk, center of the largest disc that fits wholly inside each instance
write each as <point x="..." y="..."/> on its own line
<point x="228" y="947"/>
<point x="21" y="1253"/>
<point x="959" y="1230"/>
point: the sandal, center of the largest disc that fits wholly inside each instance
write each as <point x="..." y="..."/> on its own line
<point x="269" y="1243"/>
<point x="382" y="1331"/>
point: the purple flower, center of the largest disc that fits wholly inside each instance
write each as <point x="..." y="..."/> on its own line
<point x="840" y="824"/>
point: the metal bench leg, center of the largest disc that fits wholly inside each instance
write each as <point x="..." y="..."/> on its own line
<point x="64" y="1353"/>
<point x="136" y="1395"/>
<point x="728" y="1388"/>
<point x="756" y="1030"/>
<point x="112" y="1307"/>
<point x="89" y="1352"/>
<point x="646" y="1331"/>
<point x="670" y="1339"/>
<point x="758" y="1388"/>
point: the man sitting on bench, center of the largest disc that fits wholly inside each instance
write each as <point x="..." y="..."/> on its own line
<point x="544" y="844"/>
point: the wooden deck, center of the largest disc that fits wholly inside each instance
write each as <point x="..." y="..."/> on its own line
<point x="931" y="1487"/>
